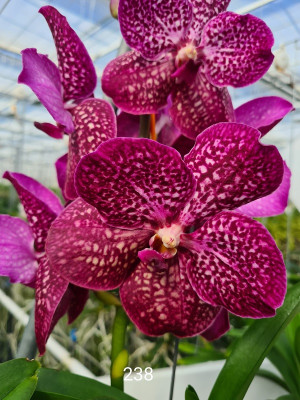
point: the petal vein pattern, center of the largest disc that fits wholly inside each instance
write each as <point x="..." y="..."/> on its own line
<point x="231" y="168"/>
<point x="40" y="204"/>
<point x="233" y="261"/>
<point x="135" y="183"/>
<point x="95" y="122"/>
<point x="89" y="253"/>
<point x="159" y="299"/>
<point x="153" y="28"/>
<point x="136" y="85"/>
<point x="78" y="75"/>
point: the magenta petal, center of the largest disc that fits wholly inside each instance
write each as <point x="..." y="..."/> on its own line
<point x="40" y="204"/>
<point x="183" y="145"/>
<point x="128" y="125"/>
<point x="232" y="168"/>
<point x="160" y="299"/>
<point x="42" y="76"/>
<point x="50" y="129"/>
<point x="95" y="122"/>
<point x="18" y="260"/>
<point x="50" y="288"/>
<point x="199" y="105"/>
<point x="236" y="49"/>
<point x="61" y="172"/>
<point x="263" y="113"/>
<point x="78" y="75"/>
<point x="220" y="326"/>
<point x="154" y="27"/>
<point x="273" y="204"/>
<point x="136" y="85"/>
<point x="233" y="261"/>
<point x="88" y="253"/>
<point x="135" y="183"/>
<point x="203" y="11"/>
<point x="78" y="299"/>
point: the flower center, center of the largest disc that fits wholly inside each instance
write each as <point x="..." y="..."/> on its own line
<point x="166" y="240"/>
<point x="185" y="54"/>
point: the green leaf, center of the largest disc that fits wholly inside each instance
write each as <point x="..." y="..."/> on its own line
<point x="75" y="386"/>
<point x="190" y="394"/>
<point x="24" y="390"/>
<point x="250" y="350"/>
<point x="297" y="343"/>
<point x="51" y="396"/>
<point x="16" y="374"/>
<point x="272" y="377"/>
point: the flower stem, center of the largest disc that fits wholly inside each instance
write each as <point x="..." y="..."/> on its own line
<point x="176" y="342"/>
<point x="152" y="127"/>
<point x="119" y="355"/>
<point x="144" y="126"/>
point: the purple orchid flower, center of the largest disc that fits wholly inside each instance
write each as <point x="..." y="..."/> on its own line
<point x="131" y="228"/>
<point x="23" y="256"/>
<point x="190" y="49"/>
<point x="60" y="88"/>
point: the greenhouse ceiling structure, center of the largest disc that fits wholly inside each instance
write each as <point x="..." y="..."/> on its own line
<point x="26" y="149"/>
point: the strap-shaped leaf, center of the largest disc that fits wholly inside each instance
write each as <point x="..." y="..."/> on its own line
<point x="74" y="387"/>
<point x="18" y="379"/>
<point x="190" y="393"/>
<point x="236" y="375"/>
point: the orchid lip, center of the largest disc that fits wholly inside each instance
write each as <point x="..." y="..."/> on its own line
<point x="185" y="54"/>
<point x="166" y="240"/>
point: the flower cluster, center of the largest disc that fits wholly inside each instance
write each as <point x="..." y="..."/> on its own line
<point x="168" y="222"/>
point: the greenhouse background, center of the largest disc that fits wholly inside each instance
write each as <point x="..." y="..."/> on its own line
<point x="25" y="149"/>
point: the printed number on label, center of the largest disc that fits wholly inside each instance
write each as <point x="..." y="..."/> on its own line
<point x="138" y="376"/>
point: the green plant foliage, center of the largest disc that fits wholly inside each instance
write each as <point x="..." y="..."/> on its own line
<point x="18" y="379"/>
<point x="250" y="350"/>
<point x="74" y="387"/>
<point x="190" y="394"/>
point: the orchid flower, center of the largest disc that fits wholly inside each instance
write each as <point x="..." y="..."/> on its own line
<point x="262" y="113"/>
<point x="190" y="49"/>
<point x="23" y="256"/>
<point x="162" y="230"/>
<point x="60" y="88"/>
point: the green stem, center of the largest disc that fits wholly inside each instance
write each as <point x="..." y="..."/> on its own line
<point x="144" y="126"/>
<point x="119" y="355"/>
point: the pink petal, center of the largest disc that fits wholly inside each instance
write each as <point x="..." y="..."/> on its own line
<point x="158" y="298"/>
<point x="61" y="172"/>
<point x="219" y="326"/>
<point x="232" y="261"/>
<point x="236" y="49"/>
<point x="203" y="11"/>
<point x="199" y="105"/>
<point x="136" y="85"/>
<point x="232" y="168"/>
<point x="18" y="259"/>
<point x="128" y="125"/>
<point x="50" y="129"/>
<point x="273" y="204"/>
<point x="263" y="113"/>
<point x="40" y="204"/>
<point x="78" y="75"/>
<point x="89" y="253"/>
<point x="154" y="27"/>
<point x="50" y="288"/>
<point x="95" y="122"/>
<point x="135" y="183"/>
<point x="42" y="76"/>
